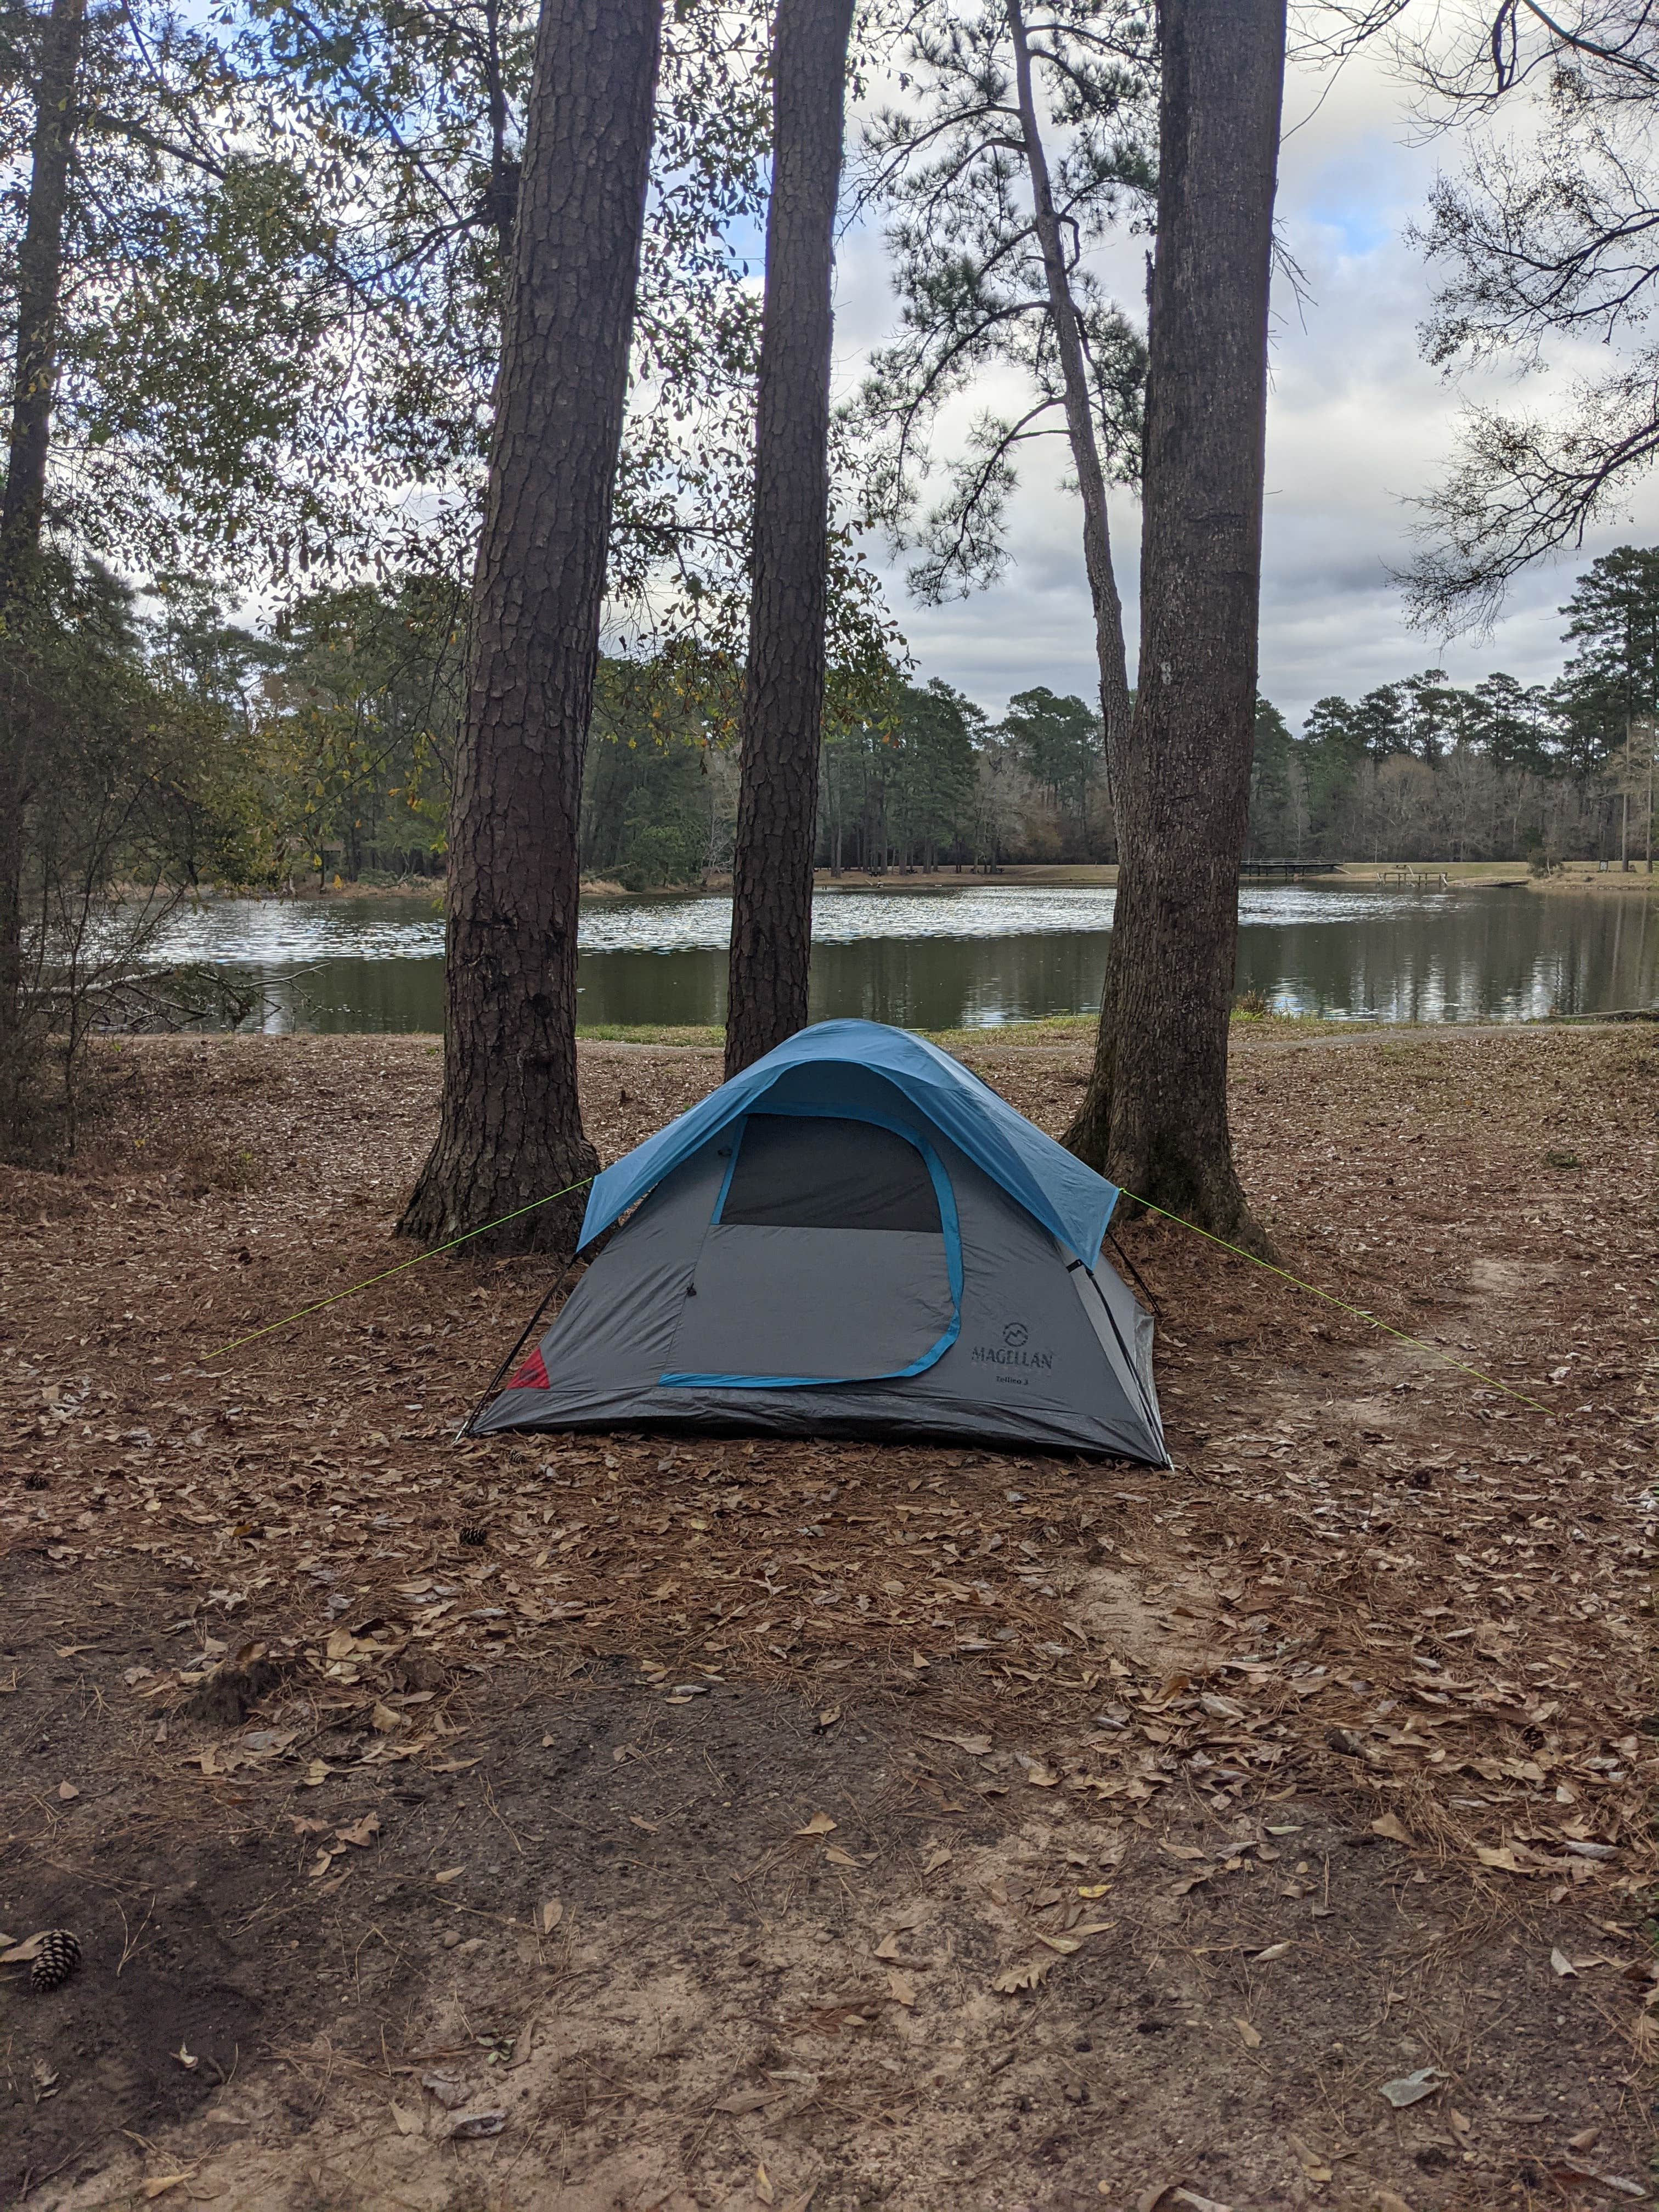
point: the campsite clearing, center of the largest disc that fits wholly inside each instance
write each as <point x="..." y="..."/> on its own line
<point x="616" y="1822"/>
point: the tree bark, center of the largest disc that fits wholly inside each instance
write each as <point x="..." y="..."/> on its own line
<point x="1111" y="656"/>
<point x="22" y="506"/>
<point x="1155" y="1115"/>
<point x="1079" y="414"/>
<point x="511" y="1130"/>
<point x="783" y="684"/>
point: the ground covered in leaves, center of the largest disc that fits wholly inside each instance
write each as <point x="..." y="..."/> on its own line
<point x="627" y="1824"/>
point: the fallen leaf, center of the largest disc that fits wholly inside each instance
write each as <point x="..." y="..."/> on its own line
<point x="406" y="2122"/>
<point x="1561" y="1964"/>
<point x="1041" y="1778"/>
<point x="364" y="1831"/>
<point x="159" y="2183"/>
<point x="1064" y="1944"/>
<point x="66" y="1790"/>
<point x="383" y="1720"/>
<point x="187" y="2059"/>
<point x="1503" y="1859"/>
<point x="828" y="1717"/>
<point x="901" y="1990"/>
<point x="467" y="2127"/>
<point x="1026" y="1976"/>
<point x="888" y="1948"/>
<point x="976" y="1747"/>
<point x="650" y="1827"/>
<point x="1393" y="1829"/>
<point x="450" y="1874"/>
<point x="763" y="2188"/>
<point x="748" y="2101"/>
<point x="551" y="1914"/>
<point x="1387" y="2200"/>
<point x="935" y="1860"/>
<point x="837" y="1857"/>
<point x="1459" y="2124"/>
<point x="315" y="1775"/>
<point x="1615" y="2183"/>
<point x="1411" y="2089"/>
<point x="1311" y="2161"/>
<point x="1094" y="1889"/>
<point x="1252" y="2036"/>
<point x="1272" y="1951"/>
<point x="341" y="1642"/>
<point x="819" y="1825"/>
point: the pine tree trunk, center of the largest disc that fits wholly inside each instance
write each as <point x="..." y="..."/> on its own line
<point x="1079" y="413"/>
<point x="783" y="684"/>
<point x="1185" y="775"/>
<point x="1110" y="657"/>
<point x="40" y="295"/>
<point x="512" y="1130"/>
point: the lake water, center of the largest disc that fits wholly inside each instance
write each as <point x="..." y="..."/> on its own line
<point x="976" y="957"/>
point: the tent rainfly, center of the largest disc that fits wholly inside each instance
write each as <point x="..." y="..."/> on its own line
<point x="855" y="1237"/>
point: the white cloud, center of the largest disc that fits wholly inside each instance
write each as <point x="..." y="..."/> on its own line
<point x="1357" y="424"/>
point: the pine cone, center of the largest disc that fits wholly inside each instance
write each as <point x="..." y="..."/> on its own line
<point x="474" y="1535"/>
<point x="56" y="1961"/>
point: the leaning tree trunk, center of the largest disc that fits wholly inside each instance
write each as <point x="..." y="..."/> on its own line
<point x="1079" y="413"/>
<point x="22" y="506"/>
<point x="783" y="684"/>
<point x="512" y="1129"/>
<point x="1110" y="658"/>
<point x="1156" y="1114"/>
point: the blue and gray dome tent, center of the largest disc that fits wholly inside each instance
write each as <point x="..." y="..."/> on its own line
<point x="854" y="1236"/>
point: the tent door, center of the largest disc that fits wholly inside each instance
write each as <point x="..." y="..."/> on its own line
<point x="833" y="1256"/>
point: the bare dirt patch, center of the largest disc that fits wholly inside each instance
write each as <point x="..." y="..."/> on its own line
<point x="1320" y="1763"/>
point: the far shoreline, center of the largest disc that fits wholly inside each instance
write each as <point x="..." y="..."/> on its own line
<point x="1576" y="875"/>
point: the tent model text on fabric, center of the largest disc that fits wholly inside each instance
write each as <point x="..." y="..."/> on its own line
<point x="855" y="1237"/>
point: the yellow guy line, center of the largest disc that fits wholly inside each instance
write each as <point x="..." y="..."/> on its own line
<point x="1357" y="1313"/>
<point x="271" y="1327"/>
<point x="1342" y="1305"/>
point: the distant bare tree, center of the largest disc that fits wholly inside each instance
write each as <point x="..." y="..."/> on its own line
<point x="1545" y="236"/>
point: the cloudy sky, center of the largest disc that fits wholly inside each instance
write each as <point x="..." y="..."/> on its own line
<point x="1358" y="422"/>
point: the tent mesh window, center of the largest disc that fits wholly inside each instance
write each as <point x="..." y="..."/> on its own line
<point x="828" y="1173"/>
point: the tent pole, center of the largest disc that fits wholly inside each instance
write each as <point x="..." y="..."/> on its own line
<point x="495" y="1381"/>
<point x="1151" y="1295"/>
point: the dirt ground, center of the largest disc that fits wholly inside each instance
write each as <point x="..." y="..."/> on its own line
<point x="625" y="1825"/>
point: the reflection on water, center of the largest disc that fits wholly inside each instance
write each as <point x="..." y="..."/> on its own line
<point x="948" y="959"/>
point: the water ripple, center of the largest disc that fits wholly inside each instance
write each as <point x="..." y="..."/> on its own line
<point x="283" y="932"/>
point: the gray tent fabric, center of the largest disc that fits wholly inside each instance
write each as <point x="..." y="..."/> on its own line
<point x="832" y="1264"/>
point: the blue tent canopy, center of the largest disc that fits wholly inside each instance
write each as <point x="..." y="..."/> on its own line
<point x="1070" y="1200"/>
